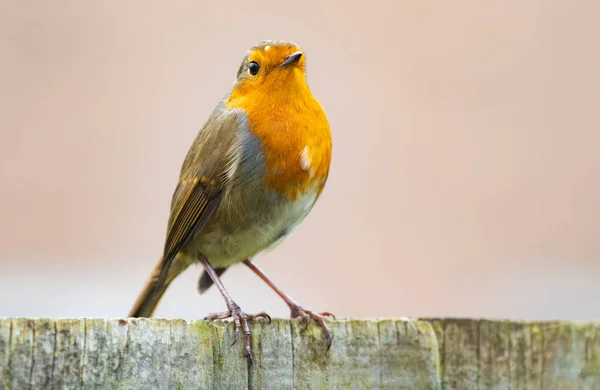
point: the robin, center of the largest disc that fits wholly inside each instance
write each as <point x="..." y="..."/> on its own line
<point x="254" y="171"/>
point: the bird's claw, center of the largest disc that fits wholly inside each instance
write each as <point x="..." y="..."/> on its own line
<point x="240" y="321"/>
<point x="306" y="315"/>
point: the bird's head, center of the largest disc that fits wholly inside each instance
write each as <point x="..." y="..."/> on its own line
<point x="271" y="65"/>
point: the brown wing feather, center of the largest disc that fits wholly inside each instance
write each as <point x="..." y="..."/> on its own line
<point x="202" y="181"/>
<point x="193" y="210"/>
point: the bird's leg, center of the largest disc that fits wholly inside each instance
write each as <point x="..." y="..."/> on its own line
<point x="240" y="318"/>
<point x="296" y="310"/>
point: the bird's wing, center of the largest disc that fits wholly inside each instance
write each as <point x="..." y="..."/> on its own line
<point x="202" y="180"/>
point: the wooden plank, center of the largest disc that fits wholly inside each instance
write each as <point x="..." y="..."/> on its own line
<point x="366" y="354"/>
<point x="483" y="354"/>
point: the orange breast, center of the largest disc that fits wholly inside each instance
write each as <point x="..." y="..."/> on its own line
<point x="295" y="135"/>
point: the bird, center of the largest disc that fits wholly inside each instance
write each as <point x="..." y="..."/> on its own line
<point x="252" y="174"/>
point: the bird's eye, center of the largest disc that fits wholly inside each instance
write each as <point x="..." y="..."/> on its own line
<point x="253" y="67"/>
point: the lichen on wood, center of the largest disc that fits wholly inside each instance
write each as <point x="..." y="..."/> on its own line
<point x="366" y="354"/>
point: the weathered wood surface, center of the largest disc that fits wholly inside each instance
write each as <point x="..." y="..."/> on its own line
<point x="366" y="354"/>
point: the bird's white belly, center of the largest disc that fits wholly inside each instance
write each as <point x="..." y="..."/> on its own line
<point x="260" y="230"/>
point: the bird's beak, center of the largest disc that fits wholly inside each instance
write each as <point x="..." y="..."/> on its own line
<point x="291" y="59"/>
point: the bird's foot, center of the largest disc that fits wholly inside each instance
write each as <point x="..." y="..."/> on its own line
<point x="306" y="315"/>
<point x="240" y="320"/>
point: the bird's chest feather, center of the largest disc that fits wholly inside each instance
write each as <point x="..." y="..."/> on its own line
<point x="252" y="211"/>
<point x="294" y="137"/>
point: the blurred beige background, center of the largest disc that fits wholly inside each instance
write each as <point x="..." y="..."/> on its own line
<point x="466" y="171"/>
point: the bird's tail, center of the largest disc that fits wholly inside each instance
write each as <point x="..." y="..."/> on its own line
<point x="149" y="298"/>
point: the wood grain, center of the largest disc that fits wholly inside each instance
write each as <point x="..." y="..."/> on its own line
<point x="366" y="354"/>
